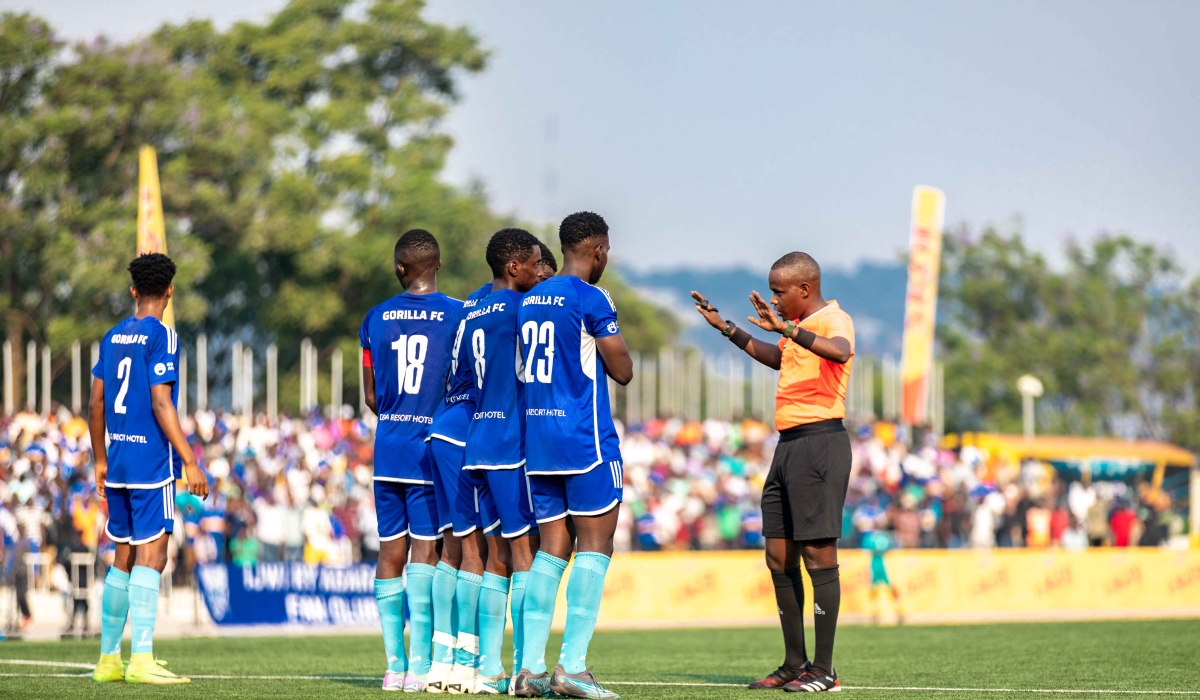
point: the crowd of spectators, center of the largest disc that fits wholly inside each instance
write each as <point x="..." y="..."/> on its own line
<point x="300" y="490"/>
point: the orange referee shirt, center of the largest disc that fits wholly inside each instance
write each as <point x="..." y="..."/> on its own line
<point x="812" y="388"/>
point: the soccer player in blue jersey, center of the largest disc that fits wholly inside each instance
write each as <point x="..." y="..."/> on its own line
<point x="571" y="340"/>
<point x="496" y="436"/>
<point x="406" y="344"/>
<point x="466" y="515"/>
<point x="132" y="409"/>
<point x="547" y="266"/>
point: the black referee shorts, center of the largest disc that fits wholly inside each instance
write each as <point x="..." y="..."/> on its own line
<point x="805" y="489"/>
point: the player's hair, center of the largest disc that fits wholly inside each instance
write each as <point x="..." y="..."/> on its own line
<point x="548" y="256"/>
<point x="802" y="264"/>
<point x="580" y="227"/>
<point x="509" y="245"/>
<point x="152" y="274"/>
<point x="416" y="246"/>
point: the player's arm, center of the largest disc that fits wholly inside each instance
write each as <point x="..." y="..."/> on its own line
<point x="765" y="353"/>
<point x="168" y="420"/>
<point x="617" y="361"/>
<point x="600" y="319"/>
<point x="369" y="380"/>
<point x="835" y="349"/>
<point x="96" y="428"/>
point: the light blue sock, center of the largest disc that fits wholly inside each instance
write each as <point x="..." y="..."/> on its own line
<point x="420" y="617"/>
<point x="466" y="603"/>
<point x="389" y="595"/>
<point x="114" y="609"/>
<point x="444" y="623"/>
<point x="515" y="602"/>
<point x="541" y="588"/>
<point x="584" y="591"/>
<point x="493" y="609"/>
<point x="143" y="607"/>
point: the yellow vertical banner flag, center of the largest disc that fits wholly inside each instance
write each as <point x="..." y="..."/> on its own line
<point x="151" y="232"/>
<point x="920" y="307"/>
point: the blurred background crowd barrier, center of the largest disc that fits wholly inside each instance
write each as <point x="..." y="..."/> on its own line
<point x="697" y="440"/>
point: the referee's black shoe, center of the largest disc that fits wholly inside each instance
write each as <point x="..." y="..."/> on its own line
<point x="815" y="680"/>
<point x="780" y="677"/>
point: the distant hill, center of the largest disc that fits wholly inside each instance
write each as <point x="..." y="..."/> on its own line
<point x="873" y="294"/>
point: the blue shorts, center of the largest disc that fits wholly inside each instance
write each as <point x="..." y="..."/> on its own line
<point x="512" y="500"/>
<point x="406" y="509"/>
<point x="463" y="499"/>
<point x="138" y="516"/>
<point x="591" y="493"/>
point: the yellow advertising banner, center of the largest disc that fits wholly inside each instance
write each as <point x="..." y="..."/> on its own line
<point x="151" y="232"/>
<point x="693" y="589"/>
<point x="920" y="307"/>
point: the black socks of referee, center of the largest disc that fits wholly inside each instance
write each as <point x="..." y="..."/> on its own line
<point x="827" y="599"/>
<point x="789" y="597"/>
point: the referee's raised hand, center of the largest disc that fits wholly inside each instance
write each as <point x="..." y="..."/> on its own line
<point x="708" y="311"/>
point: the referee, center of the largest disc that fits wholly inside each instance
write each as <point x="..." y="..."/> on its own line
<point x="805" y="490"/>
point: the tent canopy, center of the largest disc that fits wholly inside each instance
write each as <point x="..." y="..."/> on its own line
<point x="1062" y="450"/>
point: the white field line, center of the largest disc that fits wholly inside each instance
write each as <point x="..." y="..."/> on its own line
<point x="920" y="689"/>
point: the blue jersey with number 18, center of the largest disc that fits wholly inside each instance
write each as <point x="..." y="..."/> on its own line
<point x="569" y="427"/>
<point x="138" y="353"/>
<point x="409" y="338"/>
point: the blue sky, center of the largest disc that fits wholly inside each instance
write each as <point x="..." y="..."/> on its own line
<point x="728" y="133"/>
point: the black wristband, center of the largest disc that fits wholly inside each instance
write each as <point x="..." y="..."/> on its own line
<point x="804" y="338"/>
<point x="740" y="338"/>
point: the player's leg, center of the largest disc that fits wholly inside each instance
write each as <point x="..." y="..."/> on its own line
<point x="493" y="604"/>
<point x="423" y="558"/>
<point x="498" y="579"/>
<point x="152" y="508"/>
<point x="820" y="560"/>
<point x="466" y="607"/>
<point x="447" y="462"/>
<point x="392" y="514"/>
<point x="114" y="605"/>
<point x="593" y="502"/>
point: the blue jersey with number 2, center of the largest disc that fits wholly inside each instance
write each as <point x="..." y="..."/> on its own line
<point x="135" y="355"/>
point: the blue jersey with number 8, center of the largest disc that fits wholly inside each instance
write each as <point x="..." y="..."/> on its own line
<point x="409" y="337"/>
<point x="569" y="427"/>
<point x="136" y="354"/>
<point x="496" y="435"/>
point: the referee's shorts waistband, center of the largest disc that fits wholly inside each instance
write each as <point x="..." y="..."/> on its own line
<point x="821" y="427"/>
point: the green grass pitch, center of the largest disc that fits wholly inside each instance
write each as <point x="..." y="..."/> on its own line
<point x="969" y="661"/>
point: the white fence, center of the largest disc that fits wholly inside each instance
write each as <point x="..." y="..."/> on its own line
<point x="678" y="382"/>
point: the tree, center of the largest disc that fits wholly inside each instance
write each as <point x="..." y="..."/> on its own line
<point x="292" y="154"/>
<point x="1113" y="336"/>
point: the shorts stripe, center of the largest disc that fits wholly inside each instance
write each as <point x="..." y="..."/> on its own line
<point x="393" y="537"/>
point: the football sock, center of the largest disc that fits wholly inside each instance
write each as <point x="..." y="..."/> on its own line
<point x="827" y="598"/>
<point x="114" y="608"/>
<point x="143" y="607"/>
<point x="389" y="595"/>
<point x="444" y="581"/>
<point x="515" y="604"/>
<point x="493" y="609"/>
<point x="541" y="588"/>
<point x="466" y="602"/>
<point x="420" y="617"/>
<point x="789" y="598"/>
<point x="584" y="591"/>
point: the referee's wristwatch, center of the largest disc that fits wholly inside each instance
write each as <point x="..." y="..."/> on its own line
<point x="789" y="329"/>
<point x="730" y="327"/>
